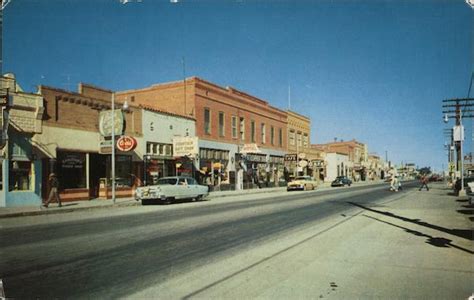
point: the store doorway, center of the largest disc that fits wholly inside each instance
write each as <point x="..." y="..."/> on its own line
<point x="97" y="172"/>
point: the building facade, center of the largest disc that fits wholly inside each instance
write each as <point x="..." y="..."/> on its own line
<point x="21" y="120"/>
<point x="357" y="153"/>
<point x="242" y="139"/>
<point x="72" y="146"/>
<point x="337" y="164"/>
<point x="160" y="130"/>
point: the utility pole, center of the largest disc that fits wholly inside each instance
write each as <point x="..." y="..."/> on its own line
<point x="458" y="109"/>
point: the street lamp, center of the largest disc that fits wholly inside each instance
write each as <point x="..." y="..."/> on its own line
<point x="125" y="107"/>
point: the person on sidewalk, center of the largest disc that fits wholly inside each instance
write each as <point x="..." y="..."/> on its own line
<point x="424" y="183"/>
<point x="394" y="180"/>
<point x="53" y="192"/>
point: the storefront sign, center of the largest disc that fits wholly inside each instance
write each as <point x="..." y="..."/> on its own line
<point x="72" y="161"/>
<point x="250" y="148"/>
<point x="185" y="146"/>
<point x="126" y="143"/>
<point x="290" y="157"/>
<point x="105" y="122"/>
<point x="105" y="147"/>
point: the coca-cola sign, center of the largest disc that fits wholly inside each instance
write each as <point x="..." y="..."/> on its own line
<point x="126" y="143"/>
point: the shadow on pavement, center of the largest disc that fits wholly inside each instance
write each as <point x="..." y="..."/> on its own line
<point x="431" y="240"/>
<point x="463" y="233"/>
<point x="466" y="211"/>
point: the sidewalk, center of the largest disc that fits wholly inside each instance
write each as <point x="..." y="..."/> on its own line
<point x="9" y="212"/>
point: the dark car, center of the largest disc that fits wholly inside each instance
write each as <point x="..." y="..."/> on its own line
<point x="341" y="181"/>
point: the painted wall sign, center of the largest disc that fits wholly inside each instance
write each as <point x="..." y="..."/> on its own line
<point x="185" y="146"/>
<point x="126" y="143"/>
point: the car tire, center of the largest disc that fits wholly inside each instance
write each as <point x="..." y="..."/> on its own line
<point x="199" y="198"/>
<point x="313" y="187"/>
<point x="144" y="202"/>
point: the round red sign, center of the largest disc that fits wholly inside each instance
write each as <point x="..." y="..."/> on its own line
<point x="126" y="143"/>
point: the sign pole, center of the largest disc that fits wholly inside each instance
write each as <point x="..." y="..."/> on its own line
<point x="113" y="148"/>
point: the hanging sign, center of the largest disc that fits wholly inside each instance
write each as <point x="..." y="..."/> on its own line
<point x="126" y="143"/>
<point x="106" y="125"/>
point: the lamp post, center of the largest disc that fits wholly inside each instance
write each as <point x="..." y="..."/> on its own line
<point x="125" y="107"/>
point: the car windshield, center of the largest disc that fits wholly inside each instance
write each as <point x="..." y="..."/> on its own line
<point x="163" y="181"/>
<point x="340" y="177"/>
<point x="302" y="178"/>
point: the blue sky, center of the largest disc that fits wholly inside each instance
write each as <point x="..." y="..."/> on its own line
<point x="375" y="71"/>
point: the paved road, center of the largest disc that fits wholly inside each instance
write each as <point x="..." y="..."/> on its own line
<point x="208" y="249"/>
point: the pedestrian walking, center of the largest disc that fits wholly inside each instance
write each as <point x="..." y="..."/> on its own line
<point x="424" y="183"/>
<point x="53" y="192"/>
<point x="394" y="181"/>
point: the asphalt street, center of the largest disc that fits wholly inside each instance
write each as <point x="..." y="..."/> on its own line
<point x="189" y="250"/>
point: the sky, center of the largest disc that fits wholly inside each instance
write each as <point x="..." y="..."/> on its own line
<point x="371" y="70"/>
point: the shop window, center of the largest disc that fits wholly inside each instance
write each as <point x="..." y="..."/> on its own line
<point x="123" y="170"/>
<point x="71" y="170"/>
<point x="20" y="175"/>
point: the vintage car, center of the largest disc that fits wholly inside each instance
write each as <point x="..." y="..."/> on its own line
<point x="168" y="189"/>
<point x="302" y="183"/>
<point x="341" y="181"/>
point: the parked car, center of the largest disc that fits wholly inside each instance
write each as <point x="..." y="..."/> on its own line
<point x="169" y="189"/>
<point x="302" y="183"/>
<point x="341" y="181"/>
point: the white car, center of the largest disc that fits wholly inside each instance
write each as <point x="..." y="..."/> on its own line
<point x="173" y="188"/>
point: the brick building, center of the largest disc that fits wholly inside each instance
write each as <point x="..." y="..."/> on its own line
<point x="357" y="154"/>
<point x="241" y="139"/>
<point x="70" y="144"/>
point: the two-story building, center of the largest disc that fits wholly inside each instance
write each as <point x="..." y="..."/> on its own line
<point x="242" y="139"/>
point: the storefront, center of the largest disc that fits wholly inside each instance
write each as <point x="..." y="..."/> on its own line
<point x="214" y="167"/>
<point x="21" y="172"/>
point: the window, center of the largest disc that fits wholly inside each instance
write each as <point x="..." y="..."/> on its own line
<point x="272" y="135"/>
<point x="292" y="137"/>
<point x="305" y="140"/>
<point x="20" y="175"/>
<point x="299" y="139"/>
<point x="221" y="123"/>
<point x="242" y="129"/>
<point x="72" y="170"/>
<point x="207" y="121"/>
<point x="234" y="127"/>
<point x="262" y="128"/>
<point x="252" y="131"/>
<point x="191" y="181"/>
<point x="280" y="137"/>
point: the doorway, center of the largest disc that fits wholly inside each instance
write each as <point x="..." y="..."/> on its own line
<point x="97" y="171"/>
